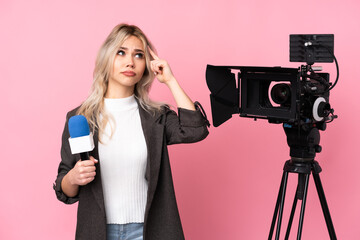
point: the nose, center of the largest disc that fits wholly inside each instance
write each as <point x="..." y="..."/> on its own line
<point x="130" y="62"/>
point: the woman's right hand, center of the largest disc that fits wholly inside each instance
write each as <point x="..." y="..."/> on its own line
<point x="83" y="172"/>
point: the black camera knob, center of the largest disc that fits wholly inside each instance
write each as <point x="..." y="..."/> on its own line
<point x="321" y="126"/>
<point x="318" y="148"/>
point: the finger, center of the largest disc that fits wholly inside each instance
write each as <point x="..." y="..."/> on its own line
<point x="88" y="180"/>
<point x="87" y="175"/>
<point x="87" y="163"/>
<point x="87" y="169"/>
<point x="91" y="169"/>
<point x="153" y="54"/>
<point x="93" y="159"/>
<point x="159" y="65"/>
<point x="153" y="67"/>
<point x="83" y="182"/>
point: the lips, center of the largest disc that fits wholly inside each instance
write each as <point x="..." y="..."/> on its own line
<point x="129" y="73"/>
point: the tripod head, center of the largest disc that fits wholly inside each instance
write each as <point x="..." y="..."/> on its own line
<point x="304" y="141"/>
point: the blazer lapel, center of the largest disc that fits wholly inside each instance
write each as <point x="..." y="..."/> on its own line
<point x="154" y="136"/>
<point x="96" y="187"/>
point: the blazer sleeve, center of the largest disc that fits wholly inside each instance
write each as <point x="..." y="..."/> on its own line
<point x="68" y="161"/>
<point x="187" y="127"/>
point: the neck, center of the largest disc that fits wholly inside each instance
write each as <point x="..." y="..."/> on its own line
<point x="117" y="91"/>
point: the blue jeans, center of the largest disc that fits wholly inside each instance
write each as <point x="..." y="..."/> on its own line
<point x="130" y="231"/>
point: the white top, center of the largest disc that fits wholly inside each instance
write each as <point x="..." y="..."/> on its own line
<point x="123" y="163"/>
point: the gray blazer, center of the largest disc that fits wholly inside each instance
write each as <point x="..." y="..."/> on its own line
<point x="162" y="220"/>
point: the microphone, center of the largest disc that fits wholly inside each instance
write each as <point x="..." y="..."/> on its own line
<point x="80" y="140"/>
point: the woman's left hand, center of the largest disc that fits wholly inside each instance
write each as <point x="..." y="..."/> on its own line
<point x="161" y="68"/>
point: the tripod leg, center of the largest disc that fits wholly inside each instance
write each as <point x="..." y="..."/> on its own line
<point x="283" y="191"/>
<point x="301" y="220"/>
<point x="324" y="206"/>
<point x="276" y="208"/>
<point x="292" y="215"/>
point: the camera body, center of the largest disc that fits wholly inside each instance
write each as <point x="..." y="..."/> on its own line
<point x="296" y="96"/>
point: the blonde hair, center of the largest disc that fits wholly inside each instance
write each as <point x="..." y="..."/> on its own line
<point x="93" y="106"/>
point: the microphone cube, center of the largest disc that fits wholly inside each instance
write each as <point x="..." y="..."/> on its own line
<point x="82" y="144"/>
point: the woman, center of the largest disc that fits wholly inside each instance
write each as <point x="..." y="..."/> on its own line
<point x="125" y="190"/>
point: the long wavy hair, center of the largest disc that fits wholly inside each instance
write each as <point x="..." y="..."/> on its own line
<point x="93" y="107"/>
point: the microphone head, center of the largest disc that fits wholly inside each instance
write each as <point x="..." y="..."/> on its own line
<point x="78" y="126"/>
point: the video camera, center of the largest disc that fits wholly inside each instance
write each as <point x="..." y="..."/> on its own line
<point x="295" y="96"/>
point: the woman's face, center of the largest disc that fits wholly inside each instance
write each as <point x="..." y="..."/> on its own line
<point x="128" y="68"/>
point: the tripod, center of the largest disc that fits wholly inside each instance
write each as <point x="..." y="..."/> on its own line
<point x="303" y="146"/>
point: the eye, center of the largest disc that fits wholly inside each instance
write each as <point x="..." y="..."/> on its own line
<point x="121" y="53"/>
<point x="139" y="55"/>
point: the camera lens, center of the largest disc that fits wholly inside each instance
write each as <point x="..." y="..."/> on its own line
<point x="281" y="93"/>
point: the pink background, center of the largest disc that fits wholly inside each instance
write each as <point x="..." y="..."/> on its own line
<point x="226" y="185"/>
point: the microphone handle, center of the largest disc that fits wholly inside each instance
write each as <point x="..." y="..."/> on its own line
<point x="84" y="156"/>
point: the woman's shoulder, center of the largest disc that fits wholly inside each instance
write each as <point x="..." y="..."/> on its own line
<point x="165" y="109"/>
<point x="157" y="114"/>
<point x="72" y="112"/>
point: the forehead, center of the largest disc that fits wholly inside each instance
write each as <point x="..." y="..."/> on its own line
<point x="133" y="42"/>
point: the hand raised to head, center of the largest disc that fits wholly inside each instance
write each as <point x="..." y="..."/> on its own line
<point x="161" y="68"/>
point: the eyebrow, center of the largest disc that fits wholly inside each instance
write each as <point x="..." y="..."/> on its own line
<point x="136" y="49"/>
